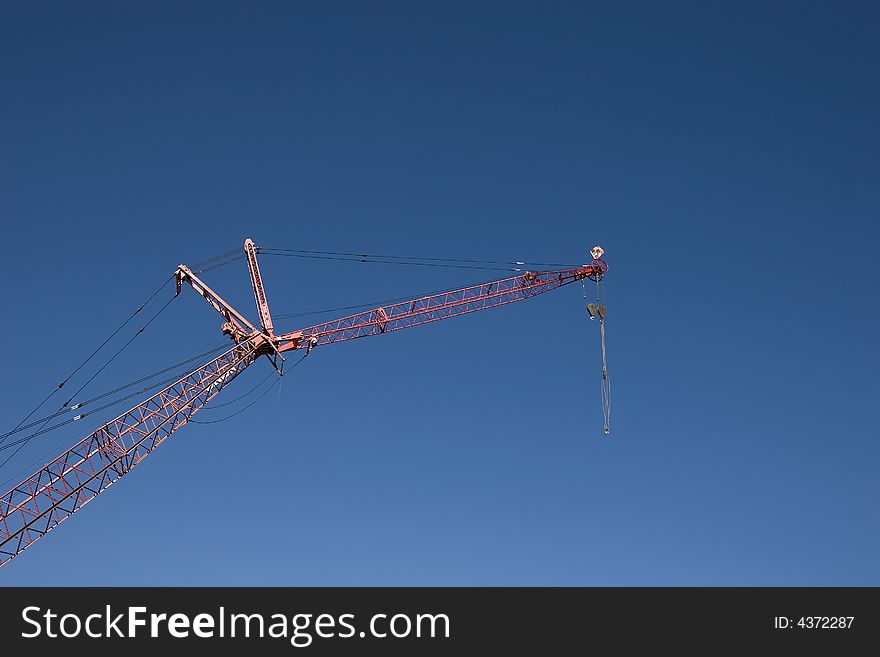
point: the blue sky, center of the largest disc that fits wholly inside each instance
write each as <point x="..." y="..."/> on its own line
<point x="724" y="154"/>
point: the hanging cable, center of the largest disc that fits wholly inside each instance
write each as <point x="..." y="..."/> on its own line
<point x="369" y="304"/>
<point x="219" y="261"/>
<point x="81" y="416"/>
<point x="94" y="425"/>
<point x="398" y="260"/>
<point x="23" y="441"/>
<point x="389" y="262"/>
<point x="239" y="411"/>
<point x="109" y="393"/>
<point x="222" y="264"/>
<point x="30" y="467"/>
<point x="92" y="355"/>
<point x="240" y="397"/>
<point x="365" y="256"/>
<point x="256" y="387"/>
<point x="606" y="382"/>
<point x="598" y="310"/>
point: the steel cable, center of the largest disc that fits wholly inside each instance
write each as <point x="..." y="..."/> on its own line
<point x="411" y="258"/>
<point x="22" y="442"/>
<point x="262" y="394"/>
<point x="109" y="393"/>
<point x="92" y="355"/>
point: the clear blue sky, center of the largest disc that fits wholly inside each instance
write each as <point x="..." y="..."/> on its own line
<point x="724" y="154"/>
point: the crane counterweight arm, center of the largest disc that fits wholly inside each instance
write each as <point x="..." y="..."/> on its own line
<point x="60" y="488"/>
<point x="435" y="307"/>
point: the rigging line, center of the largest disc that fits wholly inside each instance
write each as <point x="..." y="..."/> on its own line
<point x="606" y="383"/>
<point x="599" y="310"/>
<point x="121" y="349"/>
<point x="602" y="333"/>
<point x="606" y="405"/>
<point x="240" y="397"/>
<point x="369" y="304"/>
<point x="30" y="467"/>
<point x="229" y="255"/>
<point x="80" y="416"/>
<point x="241" y="410"/>
<point x="302" y="358"/>
<point x="262" y="394"/>
<point x="333" y="310"/>
<point x="22" y="442"/>
<point x="92" y="355"/>
<point x="390" y="262"/>
<point x="94" y="427"/>
<point x="397" y="257"/>
<point x="220" y="264"/>
<point x="382" y="302"/>
<point x="154" y="374"/>
<point x="215" y="343"/>
<point x="104" y="395"/>
<point x="220" y="256"/>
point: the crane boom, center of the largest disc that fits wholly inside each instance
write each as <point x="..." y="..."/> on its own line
<point x="60" y="488"/>
<point x="435" y="307"/>
<point x="56" y="491"/>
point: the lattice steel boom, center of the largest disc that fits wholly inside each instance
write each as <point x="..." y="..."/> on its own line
<point x="435" y="307"/>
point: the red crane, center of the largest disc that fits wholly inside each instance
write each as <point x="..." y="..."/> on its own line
<point x="42" y="501"/>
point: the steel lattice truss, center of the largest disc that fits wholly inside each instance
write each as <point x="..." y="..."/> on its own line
<point x="51" y="495"/>
<point x="56" y="491"/>
<point x="434" y="307"/>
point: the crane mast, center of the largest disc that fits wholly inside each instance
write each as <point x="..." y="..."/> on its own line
<point x="42" y="501"/>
